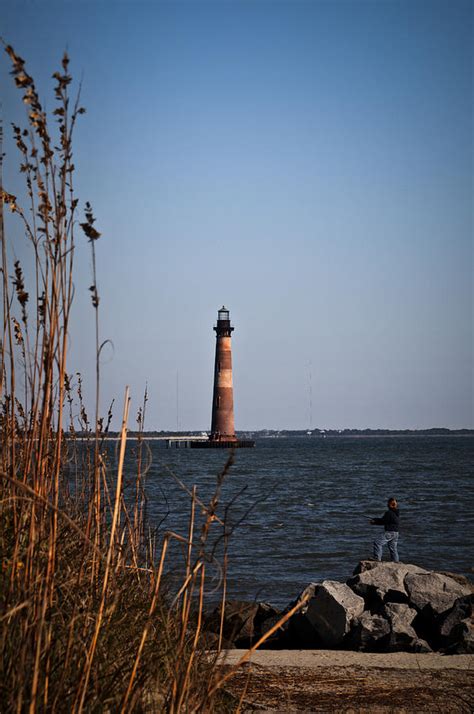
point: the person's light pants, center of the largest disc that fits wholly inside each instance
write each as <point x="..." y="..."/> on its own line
<point x="389" y="538"/>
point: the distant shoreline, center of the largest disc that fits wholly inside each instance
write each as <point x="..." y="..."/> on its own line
<point x="285" y="434"/>
<point x="364" y="436"/>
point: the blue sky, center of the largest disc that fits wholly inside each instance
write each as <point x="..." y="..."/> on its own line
<point x="309" y="165"/>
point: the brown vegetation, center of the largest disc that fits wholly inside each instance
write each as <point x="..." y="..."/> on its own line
<point x="85" y="624"/>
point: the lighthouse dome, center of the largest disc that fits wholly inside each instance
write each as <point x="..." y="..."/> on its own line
<point x="223" y="314"/>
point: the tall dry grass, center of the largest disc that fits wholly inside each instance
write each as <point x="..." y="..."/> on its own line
<point x="84" y="622"/>
<point x="88" y="621"/>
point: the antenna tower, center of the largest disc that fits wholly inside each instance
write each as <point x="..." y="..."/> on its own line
<point x="310" y="395"/>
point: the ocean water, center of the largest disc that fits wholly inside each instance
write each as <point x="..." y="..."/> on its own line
<point x="299" y="507"/>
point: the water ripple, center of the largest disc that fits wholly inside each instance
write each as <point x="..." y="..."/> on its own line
<point x="311" y="499"/>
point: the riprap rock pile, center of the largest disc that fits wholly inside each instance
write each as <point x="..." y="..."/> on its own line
<point x="383" y="607"/>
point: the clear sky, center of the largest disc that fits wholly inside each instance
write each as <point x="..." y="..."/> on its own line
<point x="307" y="164"/>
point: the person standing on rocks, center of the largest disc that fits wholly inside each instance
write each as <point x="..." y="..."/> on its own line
<point x="389" y="520"/>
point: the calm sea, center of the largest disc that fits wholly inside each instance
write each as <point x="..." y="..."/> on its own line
<point x="302" y="505"/>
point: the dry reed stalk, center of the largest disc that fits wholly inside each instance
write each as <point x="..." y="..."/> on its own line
<point x="137" y="532"/>
<point x="147" y="626"/>
<point x="39" y="642"/>
<point x="205" y="507"/>
<point x="35" y="498"/>
<point x="79" y="579"/>
<point x="189" y="554"/>
<point x="79" y="704"/>
<point x="224" y="592"/>
<point x="197" y="633"/>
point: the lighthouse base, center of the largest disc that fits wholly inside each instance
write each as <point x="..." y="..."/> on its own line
<point x="216" y="444"/>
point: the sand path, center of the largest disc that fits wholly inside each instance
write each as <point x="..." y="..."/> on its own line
<point x="286" y="681"/>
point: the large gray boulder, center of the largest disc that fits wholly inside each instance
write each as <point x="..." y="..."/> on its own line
<point x="379" y="582"/>
<point x="368" y="633"/>
<point x="332" y="610"/>
<point x="403" y="637"/>
<point x="434" y="593"/>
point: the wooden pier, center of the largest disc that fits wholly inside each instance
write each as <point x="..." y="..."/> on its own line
<point x="211" y="444"/>
<point x="203" y="442"/>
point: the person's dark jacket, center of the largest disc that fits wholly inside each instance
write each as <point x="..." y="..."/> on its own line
<point x="390" y="519"/>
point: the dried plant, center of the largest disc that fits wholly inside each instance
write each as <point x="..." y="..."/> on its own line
<point x="86" y="623"/>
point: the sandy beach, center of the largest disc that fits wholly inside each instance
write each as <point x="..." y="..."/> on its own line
<point x="285" y="681"/>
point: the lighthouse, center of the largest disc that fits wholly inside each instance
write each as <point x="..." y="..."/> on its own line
<point x="222" y="435"/>
<point x="222" y="422"/>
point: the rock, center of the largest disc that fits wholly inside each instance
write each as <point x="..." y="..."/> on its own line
<point x="264" y="611"/>
<point x="295" y="632"/>
<point x="210" y="641"/>
<point x="401" y="616"/>
<point x="332" y="610"/>
<point x="433" y="593"/>
<point x="242" y="621"/>
<point x="279" y="639"/>
<point x="461" y="579"/>
<point x="456" y="628"/>
<point x="368" y="633"/>
<point x="419" y="645"/>
<point x="309" y="591"/>
<point x="403" y="637"/>
<point x="365" y="565"/>
<point x="301" y="635"/>
<point x="384" y="606"/>
<point x="380" y="582"/>
<point x="461" y="610"/>
<point x="463" y="636"/>
<point x="238" y="619"/>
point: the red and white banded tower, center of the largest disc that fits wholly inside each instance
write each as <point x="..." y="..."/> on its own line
<point x="222" y="422"/>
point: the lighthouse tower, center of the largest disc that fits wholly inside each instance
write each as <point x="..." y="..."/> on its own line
<point x="222" y="423"/>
